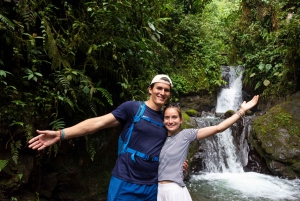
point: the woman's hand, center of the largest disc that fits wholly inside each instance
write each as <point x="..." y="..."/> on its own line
<point x="248" y="105"/>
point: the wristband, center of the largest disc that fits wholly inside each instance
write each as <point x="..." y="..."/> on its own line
<point x="242" y="112"/>
<point x="63" y="135"/>
<point x="239" y="113"/>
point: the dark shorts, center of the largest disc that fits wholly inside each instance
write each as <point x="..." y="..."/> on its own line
<point x="120" y="190"/>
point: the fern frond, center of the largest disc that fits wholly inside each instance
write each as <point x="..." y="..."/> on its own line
<point x="106" y="94"/>
<point x="98" y="101"/>
<point x="93" y="107"/>
<point x="51" y="46"/>
<point x="73" y="93"/>
<point x="69" y="102"/>
<point x="122" y="43"/>
<point x="29" y="130"/>
<point x="15" y="147"/>
<point x="53" y="148"/>
<point x="91" y="149"/>
<point x="65" y="63"/>
<point x="7" y="22"/>
<point x="63" y="81"/>
<point x="91" y="59"/>
<point x="57" y="124"/>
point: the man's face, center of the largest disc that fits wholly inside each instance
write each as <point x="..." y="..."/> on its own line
<point x="160" y="93"/>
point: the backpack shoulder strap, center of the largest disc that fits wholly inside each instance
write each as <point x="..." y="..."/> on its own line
<point x="137" y="117"/>
<point x="140" y="112"/>
<point x="152" y="121"/>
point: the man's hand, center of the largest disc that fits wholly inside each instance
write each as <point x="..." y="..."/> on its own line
<point x="185" y="166"/>
<point x="44" y="139"/>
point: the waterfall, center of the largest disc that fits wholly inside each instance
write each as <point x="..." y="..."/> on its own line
<point x="219" y="152"/>
<point x="230" y="97"/>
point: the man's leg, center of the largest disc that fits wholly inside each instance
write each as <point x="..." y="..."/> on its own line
<point x="115" y="185"/>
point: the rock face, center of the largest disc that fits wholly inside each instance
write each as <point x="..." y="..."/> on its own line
<point x="203" y="102"/>
<point x="276" y="137"/>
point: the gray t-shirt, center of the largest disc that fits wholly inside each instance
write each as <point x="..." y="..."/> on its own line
<point x="173" y="155"/>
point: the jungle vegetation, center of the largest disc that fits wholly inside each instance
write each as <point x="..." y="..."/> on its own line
<point x="64" y="61"/>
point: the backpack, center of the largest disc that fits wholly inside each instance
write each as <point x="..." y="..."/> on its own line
<point x="123" y="147"/>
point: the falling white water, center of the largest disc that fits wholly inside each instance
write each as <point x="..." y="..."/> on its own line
<point x="231" y="98"/>
<point x="219" y="153"/>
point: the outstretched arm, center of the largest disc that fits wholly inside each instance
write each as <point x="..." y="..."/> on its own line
<point x="47" y="137"/>
<point x="211" y="130"/>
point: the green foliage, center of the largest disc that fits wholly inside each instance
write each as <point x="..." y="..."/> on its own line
<point x="3" y="163"/>
<point x="65" y="61"/>
<point x="14" y="199"/>
<point x="57" y="124"/>
<point x="6" y="22"/>
<point x="91" y="151"/>
<point x="265" y="40"/>
<point x="198" y="45"/>
<point x="20" y="176"/>
<point x="3" y="75"/>
<point x="15" y="147"/>
<point x="32" y="75"/>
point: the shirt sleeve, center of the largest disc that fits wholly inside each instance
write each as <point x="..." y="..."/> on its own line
<point x="125" y="111"/>
<point x="190" y="134"/>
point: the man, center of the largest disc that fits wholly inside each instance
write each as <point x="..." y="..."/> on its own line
<point x="134" y="176"/>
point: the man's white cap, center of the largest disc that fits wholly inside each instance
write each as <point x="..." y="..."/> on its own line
<point x="162" y="78"/>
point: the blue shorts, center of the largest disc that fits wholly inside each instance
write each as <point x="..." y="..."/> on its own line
<point x="120" y="190"/>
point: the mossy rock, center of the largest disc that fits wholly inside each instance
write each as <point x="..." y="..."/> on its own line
<point x="296" y="167"/>
<point x="229" y="113"/>
<point x="188" y="122"/>
<point x="192" y="112"/>
<point x="276" y="137"/>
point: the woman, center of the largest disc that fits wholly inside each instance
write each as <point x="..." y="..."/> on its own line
<point x="174" y="152"/>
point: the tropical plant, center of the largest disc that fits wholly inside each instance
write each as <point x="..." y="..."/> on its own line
<point x="265" y="40"/>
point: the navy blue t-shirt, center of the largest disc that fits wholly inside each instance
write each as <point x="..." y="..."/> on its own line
<point x="146" y="137"/>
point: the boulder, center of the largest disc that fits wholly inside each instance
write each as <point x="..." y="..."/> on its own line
<point x="276" y="137"/>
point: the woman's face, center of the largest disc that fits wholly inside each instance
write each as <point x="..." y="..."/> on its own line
<point x="172" y="120"/>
